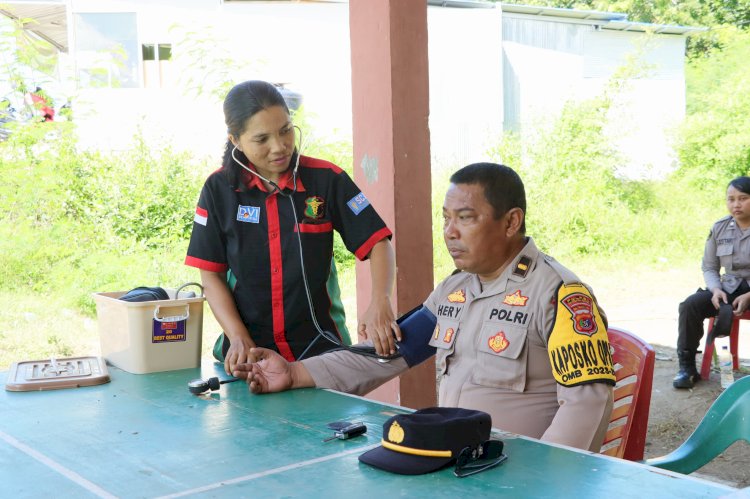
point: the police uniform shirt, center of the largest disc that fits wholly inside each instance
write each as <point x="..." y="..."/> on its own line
<point x="253" y="233"/>
<point x="530" y="348"/>
<point x="729" y="247"/>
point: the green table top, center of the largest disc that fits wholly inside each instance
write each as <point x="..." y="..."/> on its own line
<point x="148" y="436"/>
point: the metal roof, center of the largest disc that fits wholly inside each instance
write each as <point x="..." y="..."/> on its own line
<point x="467" y="4"/>
<point x="49" y="19"/>
<point x="668" y="29"/>
<point x="46" y="19"/>
<point x="606" y="20"/>
<point x="589" y="15"/>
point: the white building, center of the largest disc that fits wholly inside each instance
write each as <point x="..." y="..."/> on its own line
<point x="492" y="68"/>
<point x="554" y="55"/>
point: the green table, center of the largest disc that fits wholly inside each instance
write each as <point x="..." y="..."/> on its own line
<point x="148" y="436"/>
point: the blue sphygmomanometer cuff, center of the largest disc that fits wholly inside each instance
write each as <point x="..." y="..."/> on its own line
<point x="416" y="328"/>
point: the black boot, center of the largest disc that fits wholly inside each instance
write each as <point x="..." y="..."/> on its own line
<point x="688" y="375"/>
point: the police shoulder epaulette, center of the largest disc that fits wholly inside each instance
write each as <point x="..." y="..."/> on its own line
<point x="567" y="276"/>
<point x="523" y="265"/>
<point x="721" y="223"/>
<point x="725" y="218"/>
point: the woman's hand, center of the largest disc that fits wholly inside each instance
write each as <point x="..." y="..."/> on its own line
<point x="379" y="325"/>
<point x="718" y="297"/>
<point x="222" y="304"/>
<point x="379" y="322"/>
<point x="240" y="352"/>
<point x="741" y="304"/>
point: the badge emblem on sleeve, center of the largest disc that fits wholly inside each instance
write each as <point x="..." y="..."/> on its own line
<point x="358" y="203"/>
<point x="581" y="308"/>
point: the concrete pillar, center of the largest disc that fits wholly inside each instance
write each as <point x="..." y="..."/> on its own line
<point x="390" y="104"/>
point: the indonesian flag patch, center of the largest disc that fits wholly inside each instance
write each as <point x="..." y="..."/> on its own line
<point x="201" y="216"/>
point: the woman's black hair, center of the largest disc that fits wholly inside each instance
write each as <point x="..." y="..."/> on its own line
<point x="742" y="184"/>
<point x="242" y="103"/>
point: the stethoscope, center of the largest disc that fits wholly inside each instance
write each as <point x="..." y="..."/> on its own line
<point x="199" y="386"/>
<point x="290" y="196"/>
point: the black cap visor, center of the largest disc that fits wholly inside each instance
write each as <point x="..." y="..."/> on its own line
<point x="402" y="463"/>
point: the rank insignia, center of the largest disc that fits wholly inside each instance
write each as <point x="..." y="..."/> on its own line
<point x="581" y="308"/>
<point x="522" y="267"/>
<point x="314" y="207"/>
<point x="498" y="342"/>
<point x="458" y="296"/>
<point x="516" y="299"/>
<point x="449" y="335"/>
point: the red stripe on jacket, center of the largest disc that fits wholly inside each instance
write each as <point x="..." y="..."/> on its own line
<point x="277" y="278"/>
<point x="365" y="249"/>
<point x="315" y="228"/>
<point x="205" y="264"/>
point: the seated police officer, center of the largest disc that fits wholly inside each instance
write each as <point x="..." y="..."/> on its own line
<point x="517" y="335"/>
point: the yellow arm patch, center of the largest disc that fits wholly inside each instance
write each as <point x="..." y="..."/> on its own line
<point x="578" y="345"/>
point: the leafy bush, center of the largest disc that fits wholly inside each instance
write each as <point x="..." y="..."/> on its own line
<point x="716" y="136"/>
<point x="74" y="222"/>
<point x="579" y="208"/>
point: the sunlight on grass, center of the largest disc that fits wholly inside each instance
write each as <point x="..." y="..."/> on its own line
<point x="38" y="327"/>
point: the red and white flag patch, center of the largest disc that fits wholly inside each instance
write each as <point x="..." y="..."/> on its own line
<point x="201" y="216"/>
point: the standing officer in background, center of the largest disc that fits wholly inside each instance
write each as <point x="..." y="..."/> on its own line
<point x="517" y="335"/>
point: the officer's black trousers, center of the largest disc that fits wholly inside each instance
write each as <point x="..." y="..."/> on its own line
<point x="694" y="310"/>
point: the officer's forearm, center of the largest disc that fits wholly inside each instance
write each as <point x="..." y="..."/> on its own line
<point x="300" y="376"/>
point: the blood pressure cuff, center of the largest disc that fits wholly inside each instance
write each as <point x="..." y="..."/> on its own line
<point x="144" y="293"/>
<point x="578" y="345"/>
<point x="416" y="326"/>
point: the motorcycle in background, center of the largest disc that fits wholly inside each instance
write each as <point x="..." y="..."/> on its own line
<point x="11" y="116"/>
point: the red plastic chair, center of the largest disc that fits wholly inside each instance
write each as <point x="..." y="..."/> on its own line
<point x="634" y="373"/>
<point x="734" y="340"/>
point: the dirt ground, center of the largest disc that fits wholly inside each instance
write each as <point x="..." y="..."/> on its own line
<point x="674" y="414"/>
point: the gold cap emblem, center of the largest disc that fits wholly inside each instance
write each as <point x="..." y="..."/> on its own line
<point x="396" y="433"/>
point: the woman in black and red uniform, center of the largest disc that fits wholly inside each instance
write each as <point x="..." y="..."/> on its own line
<point x="245" y="225"/>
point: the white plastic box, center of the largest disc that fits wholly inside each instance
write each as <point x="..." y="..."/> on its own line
<point x="150" y="336"/>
